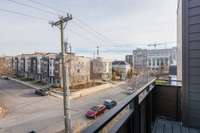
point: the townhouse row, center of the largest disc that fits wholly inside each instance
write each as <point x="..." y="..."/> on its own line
<point x="42" y="67"/>
<point x="46" y="67"/>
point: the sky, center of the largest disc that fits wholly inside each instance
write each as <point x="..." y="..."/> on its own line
<point x="116" y="26"/>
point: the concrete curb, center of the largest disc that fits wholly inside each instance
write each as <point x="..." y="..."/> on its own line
<point x="73" y="95"/>
<point x="85" y="92"/>
<point x="55" y="95"/>
<point x="24" y="83"/>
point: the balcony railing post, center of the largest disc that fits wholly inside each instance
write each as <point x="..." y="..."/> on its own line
<point x="136" y="116"/>
<point x="149" y="113"/>
<point x="131" y="121"/>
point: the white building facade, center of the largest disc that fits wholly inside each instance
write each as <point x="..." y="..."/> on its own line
<point x="157" y="58"/>
<point x="154" y="59"/>
<point x="101" y="69"/>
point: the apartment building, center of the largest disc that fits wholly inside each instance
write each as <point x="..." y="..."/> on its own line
<point x="17" y="65"/>
<point x="21" y="64"/>
<point x="46" y="67"/>
<point x="157" y="58"/>
<point x="154" y="59"/>
<point x="35" y="66"/>
<point x="25" y="64"/>
<point x="139" y="59"/>
<point x="121" y="68"/>
<point x="78" y="69"/>
<point x="129" y="59"/>
<point x="101" y="69"/>
<point x="50" y="65"/>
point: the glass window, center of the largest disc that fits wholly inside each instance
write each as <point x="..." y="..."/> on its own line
<point x="166" y="61"/>
<point x="162" y="62"/>
<point x="149" y="62"/>
<point x="154" y="62"/>
<point x="158" y="62"/>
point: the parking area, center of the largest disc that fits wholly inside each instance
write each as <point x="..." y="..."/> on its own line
<point x="27" y="111"/>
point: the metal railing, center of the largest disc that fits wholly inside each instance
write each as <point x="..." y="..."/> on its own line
<point x="131" y="102"/>
<point x="137" y="112"/>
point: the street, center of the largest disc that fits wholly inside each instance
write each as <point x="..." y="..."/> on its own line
<point x="27" y="111"/>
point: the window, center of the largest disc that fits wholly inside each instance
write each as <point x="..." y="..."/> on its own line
<point x="149" y="62"/>
<point x="162" y="61"/>
<point x="154" y="62"/>
<point x="158" y="62"/>
<point x="166" y="61"/>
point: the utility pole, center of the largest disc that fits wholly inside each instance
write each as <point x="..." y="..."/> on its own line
<point x="61" y="24"/>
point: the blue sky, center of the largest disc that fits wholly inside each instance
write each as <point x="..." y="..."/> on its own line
<point x="127" y="24"/>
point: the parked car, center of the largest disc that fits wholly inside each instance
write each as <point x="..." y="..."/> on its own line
<point x="5" y="77"/>
<point x="109" y="103"/>
<point x="41" y="92"/>
<point x="95" y="111"/>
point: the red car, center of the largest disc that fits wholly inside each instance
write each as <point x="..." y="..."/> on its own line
<point x="95" y="111"/>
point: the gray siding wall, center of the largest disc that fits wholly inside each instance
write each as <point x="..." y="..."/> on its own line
<point x="179" y="41"/>
<point x="190" y="44"/>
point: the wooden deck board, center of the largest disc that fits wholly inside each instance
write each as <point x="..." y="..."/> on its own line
<point x="185" y="130"/>
<point x="176" y="128"/>
<point x="191" y="130"/>
<point x="159" y="128"/>
<point x="166" y="126"/>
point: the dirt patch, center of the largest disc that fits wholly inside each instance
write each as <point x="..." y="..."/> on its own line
<point x="81" y="86"/>
<point x="84" y="86"/>
<point x="3" y="110"/>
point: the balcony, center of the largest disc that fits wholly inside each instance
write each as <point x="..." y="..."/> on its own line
<point x="154" y="108"/>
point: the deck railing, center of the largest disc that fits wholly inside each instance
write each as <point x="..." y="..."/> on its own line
<point x="137" y="112"/>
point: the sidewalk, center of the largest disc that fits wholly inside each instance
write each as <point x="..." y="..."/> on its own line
<point x="87" y="91"/>
<point x="73" y="95"/>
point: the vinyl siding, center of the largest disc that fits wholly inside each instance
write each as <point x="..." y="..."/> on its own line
<point x="191" y="59"/>
<point x="179" y="41"/>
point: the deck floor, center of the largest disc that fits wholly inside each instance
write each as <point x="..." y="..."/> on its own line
<point x="166" y="126"/>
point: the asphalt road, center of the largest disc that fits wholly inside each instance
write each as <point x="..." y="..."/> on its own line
<point x="28" y="111"/>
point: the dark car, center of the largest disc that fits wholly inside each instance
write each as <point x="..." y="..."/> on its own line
<point x="110" y="103"/>
<point x="95" y="111"/>
<point x="5" y="77"/>
<point x="41" y="92"/>
<point x="44" y="91"/>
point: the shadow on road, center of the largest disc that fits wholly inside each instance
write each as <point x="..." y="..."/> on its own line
<point x="29" y="94"/>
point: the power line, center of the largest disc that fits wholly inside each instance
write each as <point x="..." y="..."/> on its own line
<point x="78" y="20"/>
<point x="85" y="29"/>
<point x="27" y="5"/>
<point x="92" y="29"/>
<point x="83" y="37"/>
<point x="55" y="9"/>
<point x="22" y="14"/>
<point x="47" y="6"/>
